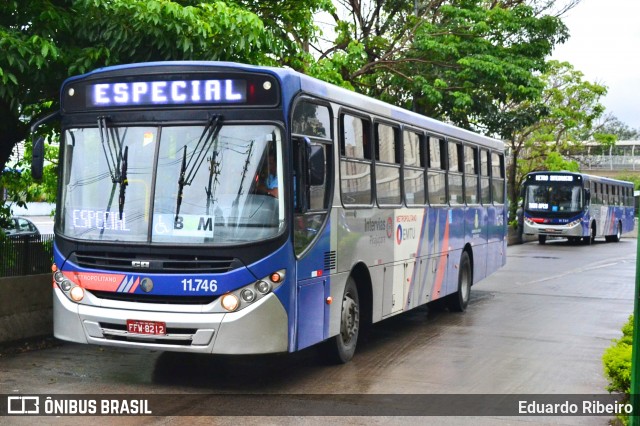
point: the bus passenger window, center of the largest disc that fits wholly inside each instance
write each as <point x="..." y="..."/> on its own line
<point x="485" y="180"/>
<point x="387" y="166"/>
<point x="497" y="177"/>
<point x="471" y="175"/>
<point x="414" y="188"/>
<point x="436" y="175"/>
<point x="355" y="162"/>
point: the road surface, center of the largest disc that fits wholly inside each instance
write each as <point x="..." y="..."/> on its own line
<point x="538" y="326"/>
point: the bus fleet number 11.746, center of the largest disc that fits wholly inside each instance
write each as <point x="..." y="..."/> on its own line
<point x="197" y="285"/>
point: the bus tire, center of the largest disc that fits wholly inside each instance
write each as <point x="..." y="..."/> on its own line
<point x="615" y="238"/>
<point x="340" y="348"/>
<point x="459" y="300"/>
<point x="542" y="239"/>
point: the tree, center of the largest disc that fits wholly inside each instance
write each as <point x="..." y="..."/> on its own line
<point x="622" y="131"/>
<point x="45" y="41"/>
<point x="571" y="107"/>
<point x="452" y="60"/>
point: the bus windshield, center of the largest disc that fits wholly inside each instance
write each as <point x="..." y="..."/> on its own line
<point x="553" y="197"/>
<point x="215" y="184"/>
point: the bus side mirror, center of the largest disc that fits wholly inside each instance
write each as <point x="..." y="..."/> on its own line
<point x="37" y="156"/>
<point x="315" y="161"/>
<point x="37" y="159"/>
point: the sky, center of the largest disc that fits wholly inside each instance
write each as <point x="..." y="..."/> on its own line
<point x="604" y="45"/>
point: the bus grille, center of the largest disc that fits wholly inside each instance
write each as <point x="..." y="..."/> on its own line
<point x="150" y="298"/>
<point x="330" y="260"/>
<point x="171" y="263"/>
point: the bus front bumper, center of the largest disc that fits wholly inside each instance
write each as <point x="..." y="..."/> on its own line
<point x="574" y="229"/>
<point x="258" y="328"/>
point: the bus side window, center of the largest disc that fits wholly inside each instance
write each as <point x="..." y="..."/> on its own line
<point x="355" y="161"/>
<point x="497" y="177"/>
<point x="485" y="179"/>
<point x="471" y="175"/>
<point x="454" y="177"/>
<point x="413" y="168"/>
<point x="436" y="174"/>
<point x="387" y="165"/>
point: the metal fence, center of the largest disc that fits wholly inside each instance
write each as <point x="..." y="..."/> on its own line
<point x="26" y="256"/>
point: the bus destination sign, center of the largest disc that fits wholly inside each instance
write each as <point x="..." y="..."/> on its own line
<point x="178" y="92"/>
<point x="554" y="178"/>
<point x="170" y="91"/>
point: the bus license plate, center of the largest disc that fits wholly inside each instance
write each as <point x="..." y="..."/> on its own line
<point x="146" y="327"/>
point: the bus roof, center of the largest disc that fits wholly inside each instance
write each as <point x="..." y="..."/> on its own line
<point x="294" y="82"/>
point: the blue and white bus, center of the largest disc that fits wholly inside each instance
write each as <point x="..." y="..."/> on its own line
<point x="232" y="209"/>
<point x="576" y="206"/>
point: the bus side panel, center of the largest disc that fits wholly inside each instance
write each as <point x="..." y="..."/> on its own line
<point x="436" y="250"/>
<point x="628" y="223"/>
<point x="497" y="244"/>
<point x="476" y="234"/>
<point x="313" y="286"/>
<point x="311" y="311"/>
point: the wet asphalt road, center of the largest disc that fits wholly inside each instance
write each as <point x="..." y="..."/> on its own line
<point x="538" y="326"/>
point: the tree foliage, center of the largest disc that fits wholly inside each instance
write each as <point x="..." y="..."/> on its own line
<point x="571" y="108"/>
<point x="453" y="60"/>
<point x="46" y="41"/>
<point x="611" y="125"/>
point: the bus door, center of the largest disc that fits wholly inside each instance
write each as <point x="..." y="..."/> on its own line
<point x="312" y="240"/>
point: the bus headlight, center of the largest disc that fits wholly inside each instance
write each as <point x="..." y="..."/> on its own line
<point x="574" y="223"/>
<point x="263" y="287"/>
<point x="76" y="294"/>
<point x="68" y="287"/>
<point x="248" y="295"/>
<point x="65" y="285"/>
<point x="245" y="296"/>
<point x="230" y="302"/>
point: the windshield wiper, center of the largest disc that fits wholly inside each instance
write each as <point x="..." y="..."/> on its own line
<point x="190" y="167"/>
<point x="123" y="180"/>
<point x="117" y="161"/>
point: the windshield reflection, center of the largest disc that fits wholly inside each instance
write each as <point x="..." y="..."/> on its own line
<point x="205" y="190"/>
<point x="554" y="198"/>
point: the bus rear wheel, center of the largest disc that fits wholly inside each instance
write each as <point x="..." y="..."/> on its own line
<point x="615" y="238"/>
<point x="340" y="349"/>
<point x="459" y="300"/>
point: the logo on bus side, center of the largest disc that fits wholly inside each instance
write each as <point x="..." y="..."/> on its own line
<point x="408" y="232"/>
<point x="380" y="229"/>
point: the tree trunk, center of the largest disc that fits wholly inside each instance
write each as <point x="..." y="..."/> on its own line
<point x="12" y="131"/>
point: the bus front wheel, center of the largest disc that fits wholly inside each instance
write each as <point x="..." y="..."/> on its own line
<point x="459" y="300"/>
<point x="340" y="348"/>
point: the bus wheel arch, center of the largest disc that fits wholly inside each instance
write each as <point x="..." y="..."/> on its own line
<point x="459" y="300"/>
<point x="615" y="237"/>
<point x="355" y="314"/>
<point x="593" y="231"/>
